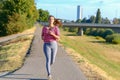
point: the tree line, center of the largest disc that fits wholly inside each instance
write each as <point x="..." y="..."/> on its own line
<point x="16" y="16"/>
<point x="108" y="34"/>
<point x="98" y="19"/>
<point x="19" y="15"/>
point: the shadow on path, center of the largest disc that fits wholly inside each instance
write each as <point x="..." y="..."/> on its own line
<point x="14" y="78"/>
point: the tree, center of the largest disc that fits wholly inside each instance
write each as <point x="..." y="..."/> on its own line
<point x="84" y="20"/>
<point x="0" y="5"/>
<point x="98" y="17"/>
<point x="43" y="15"/>
<point x="116" y="21"/>
<point x="78" y="21"/>
<point x="92" y="19"/>
<point x="17" y="15"/>
<point x="105" y="21"/>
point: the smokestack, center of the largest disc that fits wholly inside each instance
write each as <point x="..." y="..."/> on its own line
<point x="79" y="12"/>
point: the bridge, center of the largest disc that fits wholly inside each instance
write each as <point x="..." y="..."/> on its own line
<point x="80" y="26"/>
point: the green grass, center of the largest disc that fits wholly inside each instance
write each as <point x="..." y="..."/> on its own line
<point x="12" y="54"/>
<point x="94" y="50"/>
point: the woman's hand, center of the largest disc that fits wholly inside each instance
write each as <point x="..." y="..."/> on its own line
<point x="54" y="35"/>
<point x="51" y="33"/>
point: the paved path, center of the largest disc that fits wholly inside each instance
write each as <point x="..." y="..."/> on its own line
<point x="34" y="66"/>
<point x="7" y="38"/>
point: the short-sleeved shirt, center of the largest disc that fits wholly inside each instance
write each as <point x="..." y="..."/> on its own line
<point x="46" y="36"/>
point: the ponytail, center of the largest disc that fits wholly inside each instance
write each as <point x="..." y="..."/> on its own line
<point x="57" y="22"/>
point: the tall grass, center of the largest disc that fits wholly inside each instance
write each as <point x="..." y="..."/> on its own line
<point x="12" y="54"/>
<point x="94" y="51"/>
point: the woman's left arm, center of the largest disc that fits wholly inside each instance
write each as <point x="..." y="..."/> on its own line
<point x="54" y="35"/>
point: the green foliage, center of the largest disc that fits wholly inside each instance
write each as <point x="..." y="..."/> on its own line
<point x="43" y="15"/>
<point x="87" y="31"/>
<point x="91" y="31"/>
<point x="92" y="19"/>
<point x="115" y="38"/>
<point x="17" y="23"/>
<point x="98" y="17"/>
<point x="116" y="21"/>
<point x="1" y="5"/>
<point x="78" y="21"/>
<point x="16" y="16"/>
<point x="84" y="20"/>
<point x="109" y="38"/>
<point x="65" y="28"/>
<point x="99" y="32"/>
<point x="107" y="32"/>
<point x="105" y="21"/>
<point x="72" y="29"/>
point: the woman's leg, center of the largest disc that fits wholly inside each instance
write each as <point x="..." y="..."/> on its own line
<point x="47" y="51"/>
<point x="54" y="48"/>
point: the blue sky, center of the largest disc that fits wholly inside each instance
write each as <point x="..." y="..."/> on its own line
<point x="67" y="9"/>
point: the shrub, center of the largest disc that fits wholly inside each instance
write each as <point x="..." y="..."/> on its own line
<point x="92" y="31"/>
<point x="115" y="38"/>
<point x="109" y="38"/>
<point x="16" y="16"/>
<point x="101" y="32"/>
<point x="98" y="32"/>
<point x="107" y="32"/>
<point x="87" y="31"/>
<point x="16" y="23"/>
<point x="65" y="28"/>
<point x="72" y="29"/>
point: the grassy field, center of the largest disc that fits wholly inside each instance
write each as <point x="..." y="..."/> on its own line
<point x="104" y="56"/>
<point x="12" y="53"/>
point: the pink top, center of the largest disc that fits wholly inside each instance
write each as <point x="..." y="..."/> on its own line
<point x="46" y="36"/>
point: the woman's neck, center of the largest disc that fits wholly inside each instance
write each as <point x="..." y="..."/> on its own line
<point x="51" y="25"/>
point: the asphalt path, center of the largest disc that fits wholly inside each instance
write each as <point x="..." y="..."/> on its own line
<point x="34" y="68"/>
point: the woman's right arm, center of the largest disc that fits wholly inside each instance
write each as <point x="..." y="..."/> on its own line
<point x="42" y="37"/>
<point x="42" y="34"/>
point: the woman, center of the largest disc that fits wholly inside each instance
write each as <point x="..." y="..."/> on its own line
<point x="50" y="35"/>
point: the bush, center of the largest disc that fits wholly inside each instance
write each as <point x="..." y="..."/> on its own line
<point x="65" y="28"/>
<point x="72" y="29"/>
<point x="101" y="32"/>
<point x="3" y="21"/>
<point x="16" y="16"/>
<point x="91" y="31"/>
<point x="98" y="32"/>
<point x="109" y="38"/>
<point x="115" y="38"/>
<point x="16" y="23"/>
<point x="87" y="31"/>
<point x="107" y="32"/>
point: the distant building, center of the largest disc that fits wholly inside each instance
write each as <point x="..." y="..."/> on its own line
<point x="79" y="12"/>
